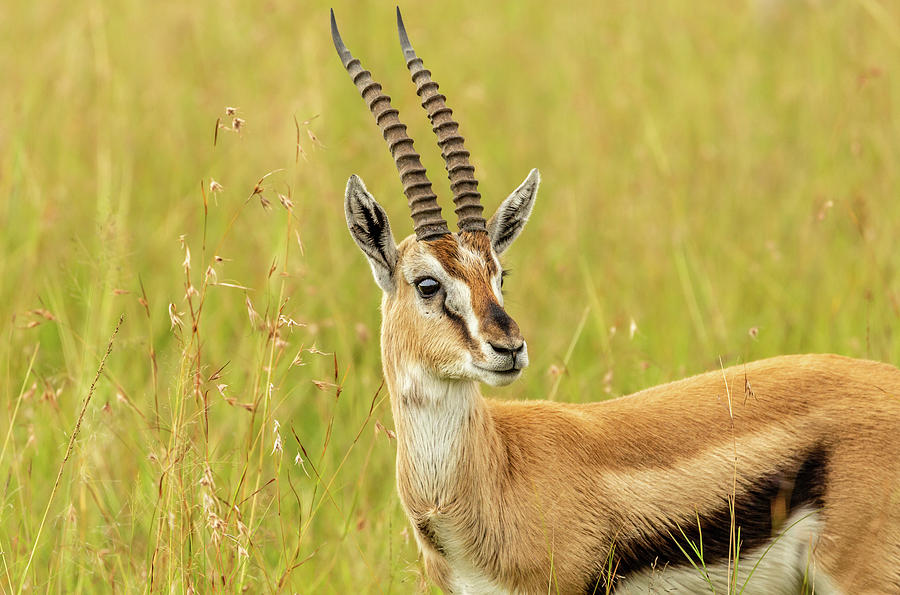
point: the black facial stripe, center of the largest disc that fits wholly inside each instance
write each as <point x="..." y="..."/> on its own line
<point x="461" y="325"/>
<point x="657" y="547"/>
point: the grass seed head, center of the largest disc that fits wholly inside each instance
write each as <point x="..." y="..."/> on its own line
<point x="206" y="480"/>
<point x="175" y="317"/>
<point x="243" y="531"/>
<point x="380" y="428"/>
<point x="288" y="322"/>
<point x="277" y="445"/>
<point x="314" y="138"/>
<point x="255" y="319"/>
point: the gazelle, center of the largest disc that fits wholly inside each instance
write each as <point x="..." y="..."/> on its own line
<point x="793" y="485"/>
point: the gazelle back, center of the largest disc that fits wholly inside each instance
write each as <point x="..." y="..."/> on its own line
<point x="693" y="486"/>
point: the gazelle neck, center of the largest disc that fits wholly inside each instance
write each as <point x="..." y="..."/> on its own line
<point x="441" y="425"/>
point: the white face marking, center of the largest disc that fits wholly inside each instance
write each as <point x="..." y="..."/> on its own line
<point x="458" y="296"/>
<point x="497" y="280"/>
<point x="485" y="364"/>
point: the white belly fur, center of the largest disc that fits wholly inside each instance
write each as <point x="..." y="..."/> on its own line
<point x="777" y="568"/>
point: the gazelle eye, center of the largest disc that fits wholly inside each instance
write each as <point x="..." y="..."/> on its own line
<point x="427" y="287"/>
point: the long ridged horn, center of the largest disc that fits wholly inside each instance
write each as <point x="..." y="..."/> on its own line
<point x="456" y="158"/>
<point x="426" y="212"/>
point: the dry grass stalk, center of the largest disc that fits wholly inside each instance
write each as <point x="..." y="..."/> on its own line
<point x="69" y="447"/>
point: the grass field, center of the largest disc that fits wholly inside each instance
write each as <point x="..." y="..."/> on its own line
<point x="720" y="184"/>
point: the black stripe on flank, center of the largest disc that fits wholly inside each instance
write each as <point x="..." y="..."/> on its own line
<point x="760" y="512"/>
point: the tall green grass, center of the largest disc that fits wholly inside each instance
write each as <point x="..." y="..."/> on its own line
<point x="720" y="181"/>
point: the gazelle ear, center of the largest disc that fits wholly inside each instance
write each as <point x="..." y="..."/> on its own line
<point x="510" y="218"/>
<point x="368" y="224"/>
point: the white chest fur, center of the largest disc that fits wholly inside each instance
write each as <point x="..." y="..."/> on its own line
<point x="432" y="426"/>
<point x="434" y="419"/>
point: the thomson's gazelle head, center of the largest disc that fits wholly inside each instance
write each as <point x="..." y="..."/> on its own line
<point x="443" y="304"/>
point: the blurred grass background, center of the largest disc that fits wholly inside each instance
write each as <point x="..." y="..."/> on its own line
<point x="719" y="185"/>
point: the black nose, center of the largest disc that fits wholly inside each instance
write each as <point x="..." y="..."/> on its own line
<point x="507" y="350"/>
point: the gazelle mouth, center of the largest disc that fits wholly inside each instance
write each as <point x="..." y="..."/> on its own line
<point x="507" y="372"/>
